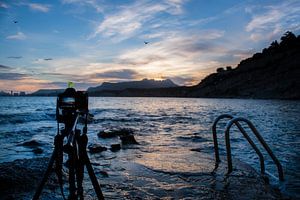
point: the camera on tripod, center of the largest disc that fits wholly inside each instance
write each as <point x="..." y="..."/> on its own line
<point x="69" y="103"/>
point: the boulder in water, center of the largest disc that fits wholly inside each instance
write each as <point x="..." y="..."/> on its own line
<point x="106" y="134"/>
<point x="115" y="147"/>
<point x="115" y="132"/>
<point x="128" y="139"/>
<point x="96" y="148"/>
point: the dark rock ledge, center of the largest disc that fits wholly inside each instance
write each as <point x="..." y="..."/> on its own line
<point x="19" y="179"/>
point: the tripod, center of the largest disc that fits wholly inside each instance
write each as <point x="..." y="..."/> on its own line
<point x="78" y="158"/>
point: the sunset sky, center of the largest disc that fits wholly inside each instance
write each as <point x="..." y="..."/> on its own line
<point x="45" y="44"/>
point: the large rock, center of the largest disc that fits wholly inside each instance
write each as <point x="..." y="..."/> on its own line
<point x="128" y="139"/>
<point x="115" y="147"/>
<point x="96" y="148"/>
<point x="115" y="133"/>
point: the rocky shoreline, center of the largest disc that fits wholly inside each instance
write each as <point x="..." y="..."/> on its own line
<point x="19" y="179"/>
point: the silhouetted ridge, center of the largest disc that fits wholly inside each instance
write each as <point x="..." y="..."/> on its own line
<point x="273" y="73"/>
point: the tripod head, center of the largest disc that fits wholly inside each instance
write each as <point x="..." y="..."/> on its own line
<point x="69" y="104"/>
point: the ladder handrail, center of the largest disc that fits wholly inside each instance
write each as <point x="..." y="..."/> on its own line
<point x="216" y="148"/>
<point x="260" y="139"/>
<point x="214" y="130"/>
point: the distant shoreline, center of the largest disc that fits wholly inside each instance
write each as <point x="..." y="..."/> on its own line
<point x="238" y="98"/>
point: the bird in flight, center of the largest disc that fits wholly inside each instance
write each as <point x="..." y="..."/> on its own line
<point x="145" y="42"/>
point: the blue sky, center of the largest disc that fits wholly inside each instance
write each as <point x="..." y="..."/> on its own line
<point x="44" y="44"/>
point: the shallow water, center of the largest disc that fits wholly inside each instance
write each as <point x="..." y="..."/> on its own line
<point x="166" y="128"/>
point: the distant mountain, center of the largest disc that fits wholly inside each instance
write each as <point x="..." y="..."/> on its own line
<point x="143" y="84"/>
<point x="47" y="92"/>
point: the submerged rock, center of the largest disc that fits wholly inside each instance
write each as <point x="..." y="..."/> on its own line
<point x="115" y="147"/>
<point x="96" y="148"/>
<point x="31" y="143"/>
<point x="104" y="174"/>
<point x="38" y="150"/>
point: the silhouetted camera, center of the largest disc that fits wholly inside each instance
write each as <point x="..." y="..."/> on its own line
<point x="69" y="103"/>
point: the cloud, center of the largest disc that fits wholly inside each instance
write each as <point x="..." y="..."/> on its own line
<point x="117" y="74"/>
<point x="62" y="77"/>
<point x="271" y="21"/>
<point x="89" y="3"/>
<point x="3" y="67"/>
<point x="14" y="57"/>
<point x="78" y="85"/>
<point x="39" y="7"/>
<point x="126" y="22"/>
<point x="174" y="51"/>
<point x="12" y="76"/>
<point x="18" y="36"/>
<point x="3" y="5"/>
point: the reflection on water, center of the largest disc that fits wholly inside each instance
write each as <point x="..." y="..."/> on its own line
<point x="166" y="128"/>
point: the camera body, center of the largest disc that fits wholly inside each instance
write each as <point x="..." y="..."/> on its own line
<point x="69" y="103"/>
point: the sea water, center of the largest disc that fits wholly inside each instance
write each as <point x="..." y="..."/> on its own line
<point x="161" y="125"/>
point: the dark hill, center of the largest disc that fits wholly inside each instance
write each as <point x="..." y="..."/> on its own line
<point x="272" y="74"/>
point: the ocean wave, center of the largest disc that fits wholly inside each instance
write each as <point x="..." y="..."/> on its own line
<point x="19" y="118"/>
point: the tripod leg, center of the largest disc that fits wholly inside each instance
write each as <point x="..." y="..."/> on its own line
<point x="79" y="167"/>
<point x="72" y="163"/>
<point x="59" y="162"/>
<point x="82" y="145"/>
<point x="46" y="175"/>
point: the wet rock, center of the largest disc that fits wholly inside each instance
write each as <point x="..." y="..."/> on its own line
<point x="38" y="150"/>
<point x="196" y="149"/>
<point x="96" y="148"/>
<point x="104" y="174"/>
<point x="114" y="133"/>
<point x="31" y="143"/>
<point x="128" y="139"/>
<point x="115" y="147"/>
<point x="23" y="175"/>
<point x="106" y="134"/>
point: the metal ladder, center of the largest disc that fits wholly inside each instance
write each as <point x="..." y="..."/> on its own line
<point x="236" y="120"/>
